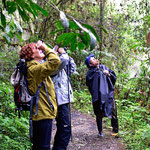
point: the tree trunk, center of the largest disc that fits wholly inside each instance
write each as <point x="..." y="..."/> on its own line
<point x="102" y="4"/>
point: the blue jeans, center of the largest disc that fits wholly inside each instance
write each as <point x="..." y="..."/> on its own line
<point x="63" y="124"/>
<point x="42" y="130"/>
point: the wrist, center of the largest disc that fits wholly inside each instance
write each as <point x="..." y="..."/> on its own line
<point x="44" y="47"/>
<point x="61" y="50"/>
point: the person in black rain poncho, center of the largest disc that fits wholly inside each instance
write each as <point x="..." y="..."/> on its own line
<point x="100" y="81"/>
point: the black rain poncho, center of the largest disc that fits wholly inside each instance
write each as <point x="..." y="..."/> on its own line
<point x="101" y="87"/>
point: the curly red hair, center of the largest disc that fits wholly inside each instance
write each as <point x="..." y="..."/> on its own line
<point x="26" y="51"/>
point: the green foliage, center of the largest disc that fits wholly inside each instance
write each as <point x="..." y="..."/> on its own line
<point x="6" y="97"/>
<point x="75" y="39"/>
<point x="132" y="96"/>
<point x="68" y="38"/>
<point x="11" y="7"/>
<point x="8" y="23"/>
<point x="14" y="132"/>
<point x="73" y="26"/>
<point x="3" y="19"/>
<point x="82" y="101"/>
<point x="125" y="29"/>
<point x="12" y="30"/>
<point x="92" y="30"/>
<point x="133" y="124"/>
<point x="134" y="108"/>
<point x="24" y="7"/>
<point x="8" y="60"/>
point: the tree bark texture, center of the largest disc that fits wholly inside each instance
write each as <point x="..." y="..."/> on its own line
<point x="102" y="5"/>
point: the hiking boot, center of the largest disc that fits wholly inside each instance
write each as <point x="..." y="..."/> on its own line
<point x="100" y="134"/>
<point x="115" y="130"/>
<point x="114" y="134"/>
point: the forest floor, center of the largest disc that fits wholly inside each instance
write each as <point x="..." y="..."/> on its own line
<point x="85" y="135"/>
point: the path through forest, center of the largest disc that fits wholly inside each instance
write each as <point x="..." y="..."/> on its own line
<point x="84" y="135"/>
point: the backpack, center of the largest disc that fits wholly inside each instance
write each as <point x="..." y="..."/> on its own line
<point x="22" y="96"/>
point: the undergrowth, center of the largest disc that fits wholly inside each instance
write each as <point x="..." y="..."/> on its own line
<point x="133" y="119"/>
<point x="14" y="131"/>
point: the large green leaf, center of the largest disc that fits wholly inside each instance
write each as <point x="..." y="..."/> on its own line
<point x="62" y="37"/>
<point x="21" y="3"/>
<point x="24" y="6"/>
<point x="92" y="30"/>
<point x="3" y="19"/>
<point x="73" y="43"/>
<point x="28" y="8"/>
<point x="1" y="27"/>
<point x="68" y="39"/>
<point x="19" y="37"/>
<point x="11" y="35"/>
<point x="32" y="5"/>
<point x="36" y="8"/>
<point x="80" y="45"/>
<point x="43" y="11"/>
<point x="73" y="25"/>
<point x="11" y="7"/>
<point x="59" y="24"/>
<point x="85" y="38"/>
<point x="23" y="14"/>
<point x="57" y="31"/>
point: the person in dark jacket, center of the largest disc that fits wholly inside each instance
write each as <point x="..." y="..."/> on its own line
<point x="100" y="81"/>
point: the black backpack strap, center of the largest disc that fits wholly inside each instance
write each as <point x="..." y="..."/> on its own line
<point x="34" y="99"/>
<point x="30" y="120"/>
<point x="37" y="99"/>
<point x="48" y="96"/>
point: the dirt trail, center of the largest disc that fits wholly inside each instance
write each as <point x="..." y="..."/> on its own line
<point x="84" y="135"/>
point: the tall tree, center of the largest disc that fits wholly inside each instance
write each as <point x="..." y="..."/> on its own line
<point x="102" y="5"/>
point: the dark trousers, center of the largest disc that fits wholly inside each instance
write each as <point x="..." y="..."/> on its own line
<point x="42" y="134"/>
<point x="63" y="124"/>
<point x="114" y="119"/>
<point x="99" y="115"/>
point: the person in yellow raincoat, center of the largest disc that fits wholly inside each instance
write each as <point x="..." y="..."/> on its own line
<point x="39" y="71"/>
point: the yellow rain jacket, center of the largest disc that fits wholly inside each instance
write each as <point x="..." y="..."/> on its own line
<point x="38" y="72"/>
